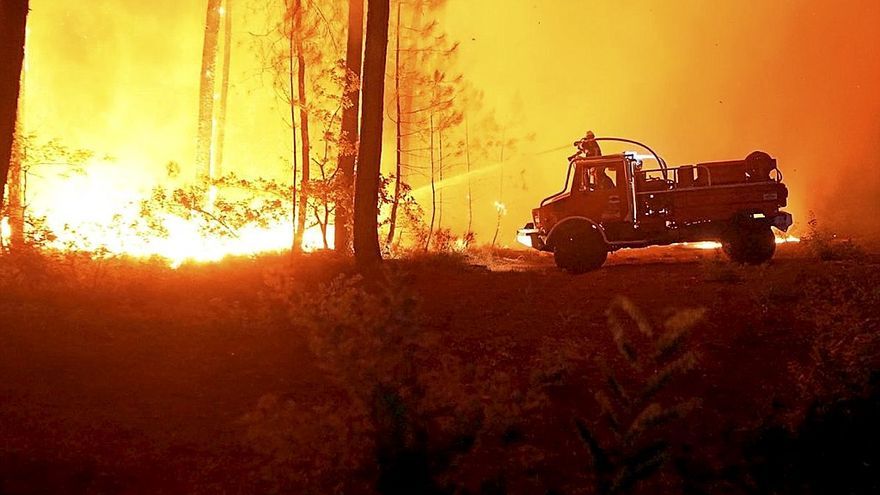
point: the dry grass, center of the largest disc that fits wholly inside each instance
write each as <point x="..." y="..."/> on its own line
<point x="282" y="374"/>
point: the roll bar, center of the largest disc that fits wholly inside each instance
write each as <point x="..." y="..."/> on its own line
<point x="575" y="156"/>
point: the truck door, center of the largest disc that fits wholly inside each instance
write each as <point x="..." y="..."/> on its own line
<point x="603" y="186"/>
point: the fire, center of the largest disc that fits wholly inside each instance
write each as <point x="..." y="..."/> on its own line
<point x="5" y="230"/>
<point x="183" y="243"/>
<point x="98" y="212"/>
<point x="785" y="239"/>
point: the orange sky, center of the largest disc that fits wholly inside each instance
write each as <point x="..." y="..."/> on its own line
<point x="697" y="80"/>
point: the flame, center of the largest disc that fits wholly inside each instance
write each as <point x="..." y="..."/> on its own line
<point x="5" y="231"/>
<point x="786" y="239"/>
<point x="703" y="245"/>
<point x="95" y="212"/>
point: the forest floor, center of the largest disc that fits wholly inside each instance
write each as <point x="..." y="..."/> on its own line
<point x="129" y="377"/>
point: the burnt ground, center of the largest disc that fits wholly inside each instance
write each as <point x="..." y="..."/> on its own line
<point x="124" y="377"/>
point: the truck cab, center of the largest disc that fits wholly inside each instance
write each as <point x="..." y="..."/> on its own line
<point x="617" y="201"/>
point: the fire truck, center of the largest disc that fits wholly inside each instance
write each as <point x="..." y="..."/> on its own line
<point x="632" y="200"/>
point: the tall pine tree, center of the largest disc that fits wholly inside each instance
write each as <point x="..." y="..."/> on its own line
<point x="366" y="201"/>
<point x="13" y="20"/>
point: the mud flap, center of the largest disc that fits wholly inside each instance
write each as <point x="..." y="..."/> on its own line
<point x="782" y="221"/>
<point x="529" y="236"/>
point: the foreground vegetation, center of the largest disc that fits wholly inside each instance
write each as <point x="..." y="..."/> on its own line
<point x="440" y="374"/>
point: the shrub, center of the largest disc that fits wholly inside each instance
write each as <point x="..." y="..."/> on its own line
<point x="826" y="246"/>
<point x="628" y="444"/>
<point x="845" y="348"/>
<point x="365" y="335"/>
<point x="308" y="446"/>
<point x="717" y="269"/>
<point x="834" y="450"/>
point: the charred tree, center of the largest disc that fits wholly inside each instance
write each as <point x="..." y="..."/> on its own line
<point x="440" y="177"/>
<point x="349" y="126"/>
<point x="467" y="154"/>
<point x="366" y="200"/>
<point x="408" y="63"/>
<point x="302" y="212"/>
<point x="17" y="172"/>
<point x="291" y="81"/>
<point x="425" y="100"/>
<point x="16" y="182"/>
<point x="13" y="20"/>
<point x="220" y="142"/>
<point x="499" y="205"/>
<point x="392" y="224"/>
<point x="433" y="185"/>
<point x="205" y="135"/>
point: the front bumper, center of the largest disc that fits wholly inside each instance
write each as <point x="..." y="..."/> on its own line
<point x="782" y="221"/>
<point x="530" y="237"/>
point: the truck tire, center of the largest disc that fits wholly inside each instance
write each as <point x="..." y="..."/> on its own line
<point x="750" y="244"/>
<point x="579" y="249"/>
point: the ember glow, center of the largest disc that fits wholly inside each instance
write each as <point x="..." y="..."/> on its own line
<point x="97" y="211"/>
<point x="123" y="80"/>
<point x="709" y="245"/>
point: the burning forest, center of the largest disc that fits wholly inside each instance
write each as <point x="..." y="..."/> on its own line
<point x="439" y="246"/>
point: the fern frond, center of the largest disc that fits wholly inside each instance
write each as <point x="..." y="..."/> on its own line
<point x="624" y="346"/>
<point x="636" y="315"/>
<point x="677" y="327"/>
<point x="601" y="461"/>
<point x="655" y="416"/>
<point x="618" y="391"/>
<point x="640" y="466"/>
<point x="680" y="366"/>
<point x="684" y="319"/>
<point x="607" y="410"/>
<point x="643" y="421"/>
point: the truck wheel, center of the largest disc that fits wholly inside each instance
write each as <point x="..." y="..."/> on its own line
<point x="580" y="249"/>
<point x="751" y="244"/>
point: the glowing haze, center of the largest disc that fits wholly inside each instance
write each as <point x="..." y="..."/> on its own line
<point x="698" y="81"/>
<point x="799" y="79"/>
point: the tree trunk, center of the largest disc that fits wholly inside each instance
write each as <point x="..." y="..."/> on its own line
<point x="500" y="192"/>
<point x="217" y="169"/>
<point x="291" y="56"/>
<point x="13" y="19"/>
<point x="205" y="135"/>
<point x="392" y="224"/>
<point x="433" y="186"/>
<point x="16" y="181"/>
<point x="407" y="103"/>
<point x="303" y="124"/>
<point x="440" y="174"/>
<point x="467" y="151"/>
<point x="366" y="207"/>
<point x="17" y="171"/>
<point x="349" y="126"/>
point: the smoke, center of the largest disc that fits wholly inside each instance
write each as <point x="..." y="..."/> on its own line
<point x="121" y="78"/>
<point x="798" y="79"/>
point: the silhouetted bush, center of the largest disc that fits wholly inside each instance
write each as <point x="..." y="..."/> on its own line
<point x="836" y="450"/>
<point x="631" y="443"/>
<point x="826" y="246"/>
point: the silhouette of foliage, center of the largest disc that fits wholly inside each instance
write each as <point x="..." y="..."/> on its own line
<point x="628" y="443"/>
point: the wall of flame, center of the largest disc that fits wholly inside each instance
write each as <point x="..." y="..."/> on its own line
<point x="700" y="81"/>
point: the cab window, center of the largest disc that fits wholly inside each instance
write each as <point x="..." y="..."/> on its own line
<point x="593" y="174"/>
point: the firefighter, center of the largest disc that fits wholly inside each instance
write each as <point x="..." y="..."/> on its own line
<point x="589" y="146"/>
<point x="602" y="180"/>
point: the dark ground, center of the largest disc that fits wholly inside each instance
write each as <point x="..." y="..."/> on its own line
<point x="120" y="379"/>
